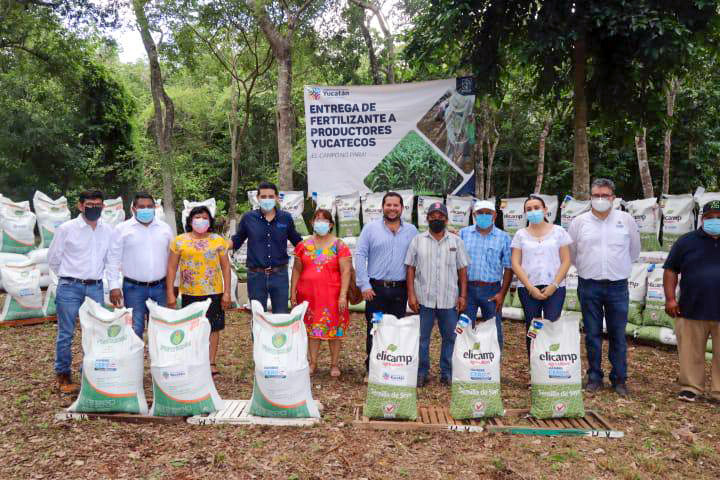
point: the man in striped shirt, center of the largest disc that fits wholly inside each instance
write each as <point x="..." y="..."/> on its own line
<point x="437" y="287"/>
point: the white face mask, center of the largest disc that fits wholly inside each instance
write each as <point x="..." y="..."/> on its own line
<point x="601" y="204"/>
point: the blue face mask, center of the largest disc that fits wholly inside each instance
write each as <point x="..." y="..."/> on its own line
<point x="535" y="216"/>
<point x="267" y="204"/>
<point x="145" y="215"/>
<point x="483" y="220"/>
<point x="321" y="227"/>
<point x="712" y="226"/>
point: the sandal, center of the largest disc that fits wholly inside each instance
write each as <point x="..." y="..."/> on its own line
<point x="214" y="370"/>
<point x="312" y="368"/>
<point x="335" y="371"/>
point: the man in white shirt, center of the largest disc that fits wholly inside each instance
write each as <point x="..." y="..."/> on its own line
<point x="141" y="246"/>
<point x="605" y="243"/>
<point x="79" y="255"/>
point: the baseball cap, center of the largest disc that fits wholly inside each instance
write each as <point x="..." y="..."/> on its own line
<point x="483" y="204"/>
<point x="711" y="206"/>
<point x="437" y="207"/>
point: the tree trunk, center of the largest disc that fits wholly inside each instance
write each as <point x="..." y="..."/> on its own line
<point x="164" y="114"/>
<point x="492" y="148"/>
<point x="509" y="176"/>
<point x="479" y="161"/>
<point x="389" y="41"/>
<point x="643" y="166"/>
<point x="374" y="65"/>
<point x="285" y="120"/>
<point x="541" y="154"/>
<point x="670" y="95"/>
<point x="234" y="159"/>
<point x="581" y="157"/>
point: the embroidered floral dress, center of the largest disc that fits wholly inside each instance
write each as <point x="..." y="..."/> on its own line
<point x="319" y="285"/>
<point x="200" y="272"/>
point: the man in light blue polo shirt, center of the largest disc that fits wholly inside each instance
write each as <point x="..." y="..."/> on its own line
<point x="380" y="263"/>
<point x="490" y="270"/>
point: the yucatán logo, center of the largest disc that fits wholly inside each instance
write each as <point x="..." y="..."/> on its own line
<point x="389" y="356"/>
<point x="558" y="357"/>
<point x="316" y="92"/>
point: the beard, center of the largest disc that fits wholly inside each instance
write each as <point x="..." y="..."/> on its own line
<point x="393" y="219"/>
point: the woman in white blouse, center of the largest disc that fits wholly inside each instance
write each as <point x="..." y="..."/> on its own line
<point x="540" y="259"/>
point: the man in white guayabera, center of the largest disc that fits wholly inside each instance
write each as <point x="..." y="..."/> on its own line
<point x="605" y="243"/>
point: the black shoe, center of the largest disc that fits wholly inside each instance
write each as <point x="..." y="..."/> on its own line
<point x="422" y="381"/>
<point x="593" y="387"/>
<point x="621" y="389"/>
<point x="687" y="396"/>
<point x="445" y="380"/>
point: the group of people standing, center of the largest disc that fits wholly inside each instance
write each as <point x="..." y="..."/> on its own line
<point x="438" y="274"/>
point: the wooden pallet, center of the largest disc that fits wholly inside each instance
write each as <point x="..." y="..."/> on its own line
<point x="514" y="421"/>
<point x="27" y="321"/>
<point x="118" y="417"/>
<point x="237" y="412"/>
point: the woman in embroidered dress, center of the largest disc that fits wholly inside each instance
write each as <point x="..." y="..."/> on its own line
<point x="321" y="276"/>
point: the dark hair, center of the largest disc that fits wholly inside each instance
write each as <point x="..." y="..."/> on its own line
<point x="535" y="197"/>
<point x="140" y="195"/>
<point x="266" y="186"/>
<point x="325" y="213"/>
<point x="195" y="211"/>
<point x="90" y="195"/>
<point x="393" y="194"/>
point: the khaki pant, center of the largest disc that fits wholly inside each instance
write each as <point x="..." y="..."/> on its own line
<point x="692" y="337"/>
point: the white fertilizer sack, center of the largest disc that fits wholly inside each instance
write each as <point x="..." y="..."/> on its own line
<point x="325" y="201"/>
<point x="458" y="211"/>
<point x="654" y="314"/>
<point x="294" y="204"/>
<point x="50" y="215"/>
<point x="570" y="209"/>
<point x="112" y="374"/>
<point x="24" y="297"/>
<point x="371" y="204"/>
<point x="282" y="374"/>
<point x="678" y="218"/>
<point x="637" y="286"/>
<point x="424" y="203"/>
<point x="513" y="213"/>
<point x="9" y="258"/>
<point x="551" y="202"/>
<point x="188" y="206"/>
<point x="159" y="210"/>
<point x="475" y="389"/>
<point x="555" y="370"/>
<point x="348" y="214"/>
<point x="408" y="197"/>
<point x="179" y="348"/>
<point x="252" y="198"/>
<point x="646" y="213"/>
<point x="572" y="301"/>
<point x="113" y="212"/>
<point x="391" y="391"/>
<point x="49" y="300"/>
<point x="17" y="224"/>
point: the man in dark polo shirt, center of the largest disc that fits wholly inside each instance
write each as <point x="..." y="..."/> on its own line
<point x="267" y="231"/>
<point x="695" y="257"/>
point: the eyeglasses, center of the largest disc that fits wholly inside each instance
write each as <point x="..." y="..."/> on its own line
<point x="604" y="196"/>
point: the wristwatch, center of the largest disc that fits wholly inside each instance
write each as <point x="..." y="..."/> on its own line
<point x="555" y="285"/>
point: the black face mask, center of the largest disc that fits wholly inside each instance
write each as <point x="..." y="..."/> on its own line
<point x="436" y="226"/>
<point x="92" y="213"/>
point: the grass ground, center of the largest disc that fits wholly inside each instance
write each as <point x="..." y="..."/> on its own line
<point x="664" y="438"/>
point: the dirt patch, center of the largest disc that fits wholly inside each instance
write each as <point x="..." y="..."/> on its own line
<point x="657" y="444"/>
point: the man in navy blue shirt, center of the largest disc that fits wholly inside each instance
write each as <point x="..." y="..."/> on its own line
<point x="695" y="257"/>
<point x="267" y="231"/>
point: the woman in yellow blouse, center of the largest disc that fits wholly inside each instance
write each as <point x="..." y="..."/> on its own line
<point x="204" y="270"/>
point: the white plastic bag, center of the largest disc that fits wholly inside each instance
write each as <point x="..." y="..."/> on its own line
<point x="112" y="374"/>
<point x="113" y="212"/>
<point x="394" y="365"/>
<point x="282" y="374"/>
<point x="179" y="348"/>
<point x="50" y="215"/>
<point x="24" y="297"/>
<point x="17" y="223"/>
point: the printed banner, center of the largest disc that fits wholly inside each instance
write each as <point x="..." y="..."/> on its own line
<point x="389" y="137"/>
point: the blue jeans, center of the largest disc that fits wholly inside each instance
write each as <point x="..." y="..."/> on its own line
<point x="611" y="300"/>
<point x="478" y="299"/>
<point x="135" y="296"/>
<point x="549" y="309"/>
<point x="447" y="321"/>
<point x="275" y="285"/>
<point x="68" y="299"/>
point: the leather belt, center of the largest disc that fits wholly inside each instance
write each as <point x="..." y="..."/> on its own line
<point x="388" y="283"/>
<point x="144" y="284"/>
<point x="78" y="280"/>
<point x="268" y="270"/>
<point x="480" y="283"/>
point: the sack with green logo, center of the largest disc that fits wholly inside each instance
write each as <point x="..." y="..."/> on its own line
<point x="294" y="204"/>
<point x="555" y="370"/>
<point x="424" y="203"/>
<point x="678" y="218"/>
<point x="572" y="302"/>
<point x="113" y="212"/>
<point x="637" y="289"/>
<point x="371" y="204"/>
<point x="348" y="214"/>
<point x="49" y="308"/>
<point x="50" y="215"/>
<point x="513" y="213"/>
<point x="408" y="197"/>
<point x="458" y="211"/>
<point x="282" y="374"/>
<point x="570" y="209"/>
<point x="179" y="348"/>
<point x="654" y="313"/>
<point x="476" y="373"/>
<point x="391" y="391"/>
<point x="647" y="217"/>
<point x="112" y="374"/>
<point x="17" y="226"/>
<point x="24" y="297"/>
